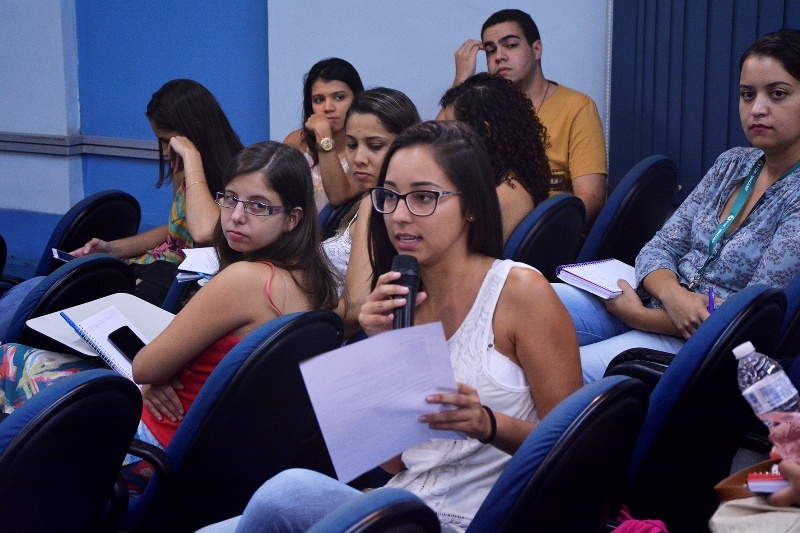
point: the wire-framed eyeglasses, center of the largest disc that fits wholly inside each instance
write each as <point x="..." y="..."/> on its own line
<point x="420" y="203"/>
<point x="259" y="209"/>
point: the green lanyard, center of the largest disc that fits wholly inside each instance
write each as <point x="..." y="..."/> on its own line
<point x="738" y="204"/>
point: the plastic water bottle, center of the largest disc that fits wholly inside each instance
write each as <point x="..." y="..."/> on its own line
<point x="773" y="397"/>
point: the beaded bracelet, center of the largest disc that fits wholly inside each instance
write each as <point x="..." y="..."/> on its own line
<point x="493" y="422"/>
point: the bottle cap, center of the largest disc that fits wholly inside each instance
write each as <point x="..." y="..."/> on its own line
<point x="743" y="350"/>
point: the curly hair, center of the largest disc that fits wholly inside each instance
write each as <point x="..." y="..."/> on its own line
<point x="504" y="119"/>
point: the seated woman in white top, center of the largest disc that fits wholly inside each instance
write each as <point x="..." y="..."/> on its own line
<point x="374" y="119"/>
<point x="328" y="91"/>
<point x="512" y="355"/>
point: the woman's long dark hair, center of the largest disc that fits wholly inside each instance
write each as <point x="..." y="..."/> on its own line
<point x="188" y="108"/>
<point x="460" y="154"/>
<point x="286" y="172"/>
<point x="503" y="117"/>
<point x="331" y="69"/>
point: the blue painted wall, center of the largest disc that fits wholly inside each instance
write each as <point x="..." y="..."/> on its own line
<point x="126" y="51"/>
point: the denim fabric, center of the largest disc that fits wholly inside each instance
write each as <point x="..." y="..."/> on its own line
<point x="593" y="322"/>
<point x="601" y="335"/>
<point x="293" y="500"/>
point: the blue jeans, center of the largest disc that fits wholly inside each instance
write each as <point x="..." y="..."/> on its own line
<point x="10" y="301"/>
<point x="601" y="335"/>
<point x="293" y="500"/>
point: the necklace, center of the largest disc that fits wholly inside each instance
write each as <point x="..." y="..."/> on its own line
<point x="546" y="92"/>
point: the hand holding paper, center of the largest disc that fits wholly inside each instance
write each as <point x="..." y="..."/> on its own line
<point x="368" y="396"/>
<point x="467" y="415"/>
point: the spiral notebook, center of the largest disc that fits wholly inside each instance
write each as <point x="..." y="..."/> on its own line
<point x="95" y="330"/>
<point x="145" y="319"/>
<point x="598" y="277"/>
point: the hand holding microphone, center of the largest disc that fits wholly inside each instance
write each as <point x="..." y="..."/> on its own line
<point x="380" y="311"/>
<point x="408" y="268"/>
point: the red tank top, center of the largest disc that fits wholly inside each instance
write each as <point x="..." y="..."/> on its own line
<point x="195" y="373"/>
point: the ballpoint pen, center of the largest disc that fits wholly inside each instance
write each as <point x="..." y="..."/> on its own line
<point x="711" y="304"/>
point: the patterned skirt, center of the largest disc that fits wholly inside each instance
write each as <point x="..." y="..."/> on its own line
<point x="24" y="371"/>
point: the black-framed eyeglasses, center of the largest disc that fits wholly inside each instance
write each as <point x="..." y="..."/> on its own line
<point x="259" y="209"/>
<point x="421" y="203"/>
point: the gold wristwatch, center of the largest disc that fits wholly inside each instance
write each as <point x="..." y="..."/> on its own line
<point x="325" y="144"/>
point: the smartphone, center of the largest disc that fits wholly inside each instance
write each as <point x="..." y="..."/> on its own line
<point x="62" y="256"/>
<point x="126" y="341"/>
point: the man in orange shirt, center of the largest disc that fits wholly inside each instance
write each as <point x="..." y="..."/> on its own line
<point x="576" y="150"/>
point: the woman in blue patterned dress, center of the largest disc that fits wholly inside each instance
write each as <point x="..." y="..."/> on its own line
<point x="740" y="226"/>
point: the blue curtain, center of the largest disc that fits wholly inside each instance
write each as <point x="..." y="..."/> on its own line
<point x="675" y="77"/>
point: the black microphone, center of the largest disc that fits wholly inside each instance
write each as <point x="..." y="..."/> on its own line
<point x="409" y="277"/>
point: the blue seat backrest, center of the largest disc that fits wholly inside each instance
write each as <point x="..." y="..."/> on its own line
<point x="331" y="217"/>
<point x="350" y="517"/>
<point x="686" y="365"/>
<point x="204" y="404"/>
<point x="251" y="419"/>
<point x="549" y="236"/>
<point x="107" y="215"/>
<point x="218" y="381"/>
<point x="697" y="417"/>
<point x="789" y="344"/>
<point x="47" y="296"/>
<point x="3" y="254"/>
<point x="792" y="302"/>
<point x="529" y="457"/>
<point x="325" y="214"/>
<point x="61" y="450"/>
<point x="45" y="399"/>
<point x="636" y="209"/>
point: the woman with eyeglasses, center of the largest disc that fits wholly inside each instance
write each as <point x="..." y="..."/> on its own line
<point x="271" y="263"/>
<point x="512" y="357"/>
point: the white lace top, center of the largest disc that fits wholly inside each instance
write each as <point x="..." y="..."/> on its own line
<point x="454" y="476"/>
<point x="337" y="248"/>
<point x="316" y="177"/>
